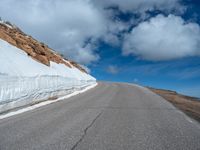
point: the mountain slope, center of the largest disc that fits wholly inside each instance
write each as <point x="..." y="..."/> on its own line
<point x="31" y="72"/>
<point x="37" y="50"/>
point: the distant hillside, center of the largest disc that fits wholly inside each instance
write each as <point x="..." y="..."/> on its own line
<point x="189" y="105"/>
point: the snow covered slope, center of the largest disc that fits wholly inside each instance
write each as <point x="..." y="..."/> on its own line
<point x="17" y="63"/>
<point x="24" y="80"/>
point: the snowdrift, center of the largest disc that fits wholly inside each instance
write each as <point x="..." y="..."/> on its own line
<point x="24" y="81"/>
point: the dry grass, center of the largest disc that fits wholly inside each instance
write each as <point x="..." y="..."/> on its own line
<point x="189" y="105"/>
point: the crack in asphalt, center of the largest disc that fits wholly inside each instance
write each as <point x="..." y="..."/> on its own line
<point x="85" y="131"/>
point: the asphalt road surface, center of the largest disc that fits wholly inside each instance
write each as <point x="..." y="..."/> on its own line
<point x="112" y="116"/>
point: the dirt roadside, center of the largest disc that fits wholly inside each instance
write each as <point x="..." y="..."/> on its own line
<point x="189" y="105"/>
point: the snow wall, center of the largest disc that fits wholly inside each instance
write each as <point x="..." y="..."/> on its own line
<point x="17" y="91"/>
<point x="24" y="81"/>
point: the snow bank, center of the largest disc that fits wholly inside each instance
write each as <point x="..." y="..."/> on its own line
<point x="24" y="81"/>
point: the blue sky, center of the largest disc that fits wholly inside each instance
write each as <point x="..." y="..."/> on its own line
<point x="153" y="43"/>
<point x="182" y="75"/>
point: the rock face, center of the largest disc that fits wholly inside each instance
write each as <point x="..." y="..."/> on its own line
<point x="37" y="50"/>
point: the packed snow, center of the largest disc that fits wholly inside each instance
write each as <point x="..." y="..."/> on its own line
<point x="24" y="81"/>
<point x="25" y="109"/>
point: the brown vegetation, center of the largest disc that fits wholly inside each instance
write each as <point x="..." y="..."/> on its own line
<point x="189" y="105"/>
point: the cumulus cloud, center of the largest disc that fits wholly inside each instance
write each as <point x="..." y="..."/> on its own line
<point x="163" y="38"/>
<point x="114" y="31"/>
<point x="64" y="25"/>
<point x="74" y="27"/>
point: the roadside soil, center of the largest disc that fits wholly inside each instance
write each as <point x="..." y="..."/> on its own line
<point x="189" y="105"/>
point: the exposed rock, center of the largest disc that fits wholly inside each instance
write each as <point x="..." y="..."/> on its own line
<point x="37" y="50"/>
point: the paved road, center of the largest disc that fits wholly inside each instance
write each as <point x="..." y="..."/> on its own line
<point x="111" y="116"/>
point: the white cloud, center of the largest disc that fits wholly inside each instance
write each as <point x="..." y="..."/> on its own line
<point x="64" y="25"/>
<point x="85" y="54"/>
<point x="112" y="69"/>
<point x="67" y="25"/>
<point x="114" y="29"/>
<point x="163" y="38"/>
